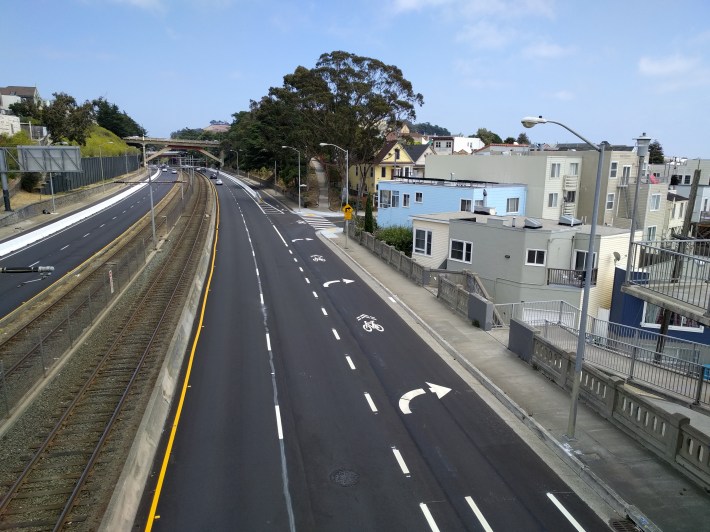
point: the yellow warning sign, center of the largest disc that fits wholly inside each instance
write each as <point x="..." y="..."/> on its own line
<point x="348" y="210"/>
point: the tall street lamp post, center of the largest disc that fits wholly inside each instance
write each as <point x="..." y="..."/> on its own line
<point x="347" y="185"/>
<point x="299" y="173"/>
<point x="101" y="163"/>
<point x="642" y="144"/>
<point x="531" y="121"/>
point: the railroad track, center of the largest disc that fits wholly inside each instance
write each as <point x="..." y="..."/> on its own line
<point x="66" y="479"/>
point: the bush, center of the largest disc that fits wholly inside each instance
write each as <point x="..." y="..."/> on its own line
<point x="29" y="181"/>
<point x="399" y="237"/>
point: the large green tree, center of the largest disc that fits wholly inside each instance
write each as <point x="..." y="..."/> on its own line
<point x="655" y="153"/>
<point x="109" y="116"/>
<point x="66" y="120"/>
<point x="425" y="128"/>
<point x="488" y="137"/>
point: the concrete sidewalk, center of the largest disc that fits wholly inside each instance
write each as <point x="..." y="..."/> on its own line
<point x="629" y="477"/>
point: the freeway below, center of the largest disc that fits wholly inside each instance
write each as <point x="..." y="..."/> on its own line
<point x="311" y="405"/>
<point x="68" y="242"/>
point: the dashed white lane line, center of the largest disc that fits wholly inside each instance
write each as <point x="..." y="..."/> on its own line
<point x="278" y="422"/>
<point x="371" y="402"/>
<point x="300" y="269"/>
<point x="295" y="259"/>
<point x="268" y="342"/>
<point x="325" y="312"/>
<point x="564" y="511"/>
<point x="87" y="234"/>
<point x="65" y="247"/>
<point x="257" y="272"/>
<point x="308" y="281"/>
<point x="335" y="333"/>
<point x="34" y="264"/>
<point x="350" y="362"/>
<point x="315" y="295"/>
<point x="428" y="517"/>
<point x="400" y="461"/>
<point x="479" y="515"/>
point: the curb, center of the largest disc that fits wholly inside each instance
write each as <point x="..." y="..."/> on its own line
<point x="601" y="488"/>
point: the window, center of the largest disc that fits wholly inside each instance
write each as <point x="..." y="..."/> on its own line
<point x="651" y="232"/>
<point x="682" y="210"/>
<point x="626" y="172"/>
<point x="422" y="241"/>
<point x="652" y="317"/>
<point x="535" y="257"/>
<point x="686" y="180"/>
<point x="372" y="171"/>
<point x="613" y="169"/>
<point x="418" y="197"/>
<point x="460" y="251"/>
<point x="571" y="196"/>
<point x="655" y="202"/>
<point x="395" y="198"/>
<point x="610" y="201"/>
<point x="479" y="203"/>
<point x="437" y="144"/>
<point x="555" y="169"/>
<point x="552" y="200"/>
<point x="580" y="259"/>
<point x="466" y="205"/>
<point x="573" y="168"/>
<point x="383" y="172"/>
<point x="385" y="196"/>
<point x="512" y="205"/>
<point x="448" y="143"/>
<point x="405" y="200"/>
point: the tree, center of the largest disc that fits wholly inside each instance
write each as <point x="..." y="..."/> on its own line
<point x="426" y="128"/>
<point x="655" y="153"/>
<point x="65" y="120"/>
<point x="369" y="219"/>
<point x="509" y="140"/>
<point x="27" y="109"/>
<point x="110" y="117"/>
<point x="487" y="137"/>
<point x="523" y="138"/>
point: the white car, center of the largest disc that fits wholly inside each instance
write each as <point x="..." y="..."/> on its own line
<point x="218" y="182"/>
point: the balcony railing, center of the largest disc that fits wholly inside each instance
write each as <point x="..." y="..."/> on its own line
<point x="569" y="277"/>
<point x="677" y="269"/>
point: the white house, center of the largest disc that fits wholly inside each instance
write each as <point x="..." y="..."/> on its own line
<point x="448" y="145"/>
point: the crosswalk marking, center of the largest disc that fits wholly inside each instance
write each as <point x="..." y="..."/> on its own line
<point x="318" y="222"/>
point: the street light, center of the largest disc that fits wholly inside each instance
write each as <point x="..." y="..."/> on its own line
<point x="642" y="144"/>
<point x="530" y="121"/>
<point x="347" y="185"/>
<point x="237" y="152"/>
<point x="299" y="173"/>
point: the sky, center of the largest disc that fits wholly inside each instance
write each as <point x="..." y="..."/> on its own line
<point x="608" y="69"/>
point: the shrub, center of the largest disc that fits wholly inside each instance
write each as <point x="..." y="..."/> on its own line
<point x="399" y="237"/>
<point x="29" y="181"/>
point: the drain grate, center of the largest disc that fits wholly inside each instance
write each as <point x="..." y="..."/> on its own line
<point x="623" y="525"/>
<point x="344" y="477"/>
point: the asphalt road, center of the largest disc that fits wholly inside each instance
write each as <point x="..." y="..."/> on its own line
<point x="313" y="406"/>
<point x="70" y="247"/>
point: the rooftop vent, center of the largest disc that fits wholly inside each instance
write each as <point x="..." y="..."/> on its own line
<point x="568" y="219"/>
<point x="480" y="209"/>
<point x="532" y="223"/>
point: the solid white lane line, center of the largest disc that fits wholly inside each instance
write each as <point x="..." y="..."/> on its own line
<point x="350" y="361"/>
<point x="65" y="247"/>
<point x="335" y="333"/>
<point x="282" y="238"/>
<point x="564" y="511"/>
<point x="278" y="422"/>
<point x="268" y="342"/>
<point x="371" y="402"/>
<point x="315" y="295"/>
<point x="325" y="312"/>
<point x="400" y="461"/>
<point x="429" y="518"/>
<point x="479" y="515"/>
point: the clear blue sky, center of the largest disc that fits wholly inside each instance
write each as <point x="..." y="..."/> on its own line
<point x="609" y="69"/>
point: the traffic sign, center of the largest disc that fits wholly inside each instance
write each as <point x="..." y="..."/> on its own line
<point x="348" y="210"/>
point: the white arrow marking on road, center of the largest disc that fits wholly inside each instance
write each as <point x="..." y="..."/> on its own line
<point x="345" y="281"/>
<point x="297" y="239"/>
<point x="440" y="391"/>
<point x="404" y="401"/>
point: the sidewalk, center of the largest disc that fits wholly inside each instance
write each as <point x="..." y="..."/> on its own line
<point x="604" y="457"/>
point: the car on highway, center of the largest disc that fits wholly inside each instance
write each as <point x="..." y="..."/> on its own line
<point x="174" y="171"/>
<point x="213" y="176"/>
<point x="218" y="182"/>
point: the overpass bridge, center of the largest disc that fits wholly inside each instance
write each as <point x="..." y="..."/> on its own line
<point x="177" y="144"/>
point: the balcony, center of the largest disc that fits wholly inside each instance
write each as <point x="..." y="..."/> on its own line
<point x="574" y="278"/>
<point x="570" y="182"/>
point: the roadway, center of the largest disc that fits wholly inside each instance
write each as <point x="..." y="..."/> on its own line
<point x="67" y="242"/>
<point x="313" y="406"/>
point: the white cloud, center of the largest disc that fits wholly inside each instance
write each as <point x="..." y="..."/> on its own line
<point x="544" y="50"/>
<point x="485" y="35"/>
<point x="562" y="95"/>
<point x="667" y="66"/>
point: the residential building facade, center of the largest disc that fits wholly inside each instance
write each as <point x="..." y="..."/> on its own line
<point x="449" y="145"/>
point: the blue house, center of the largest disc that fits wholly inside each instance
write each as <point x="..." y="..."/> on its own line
<point x="400" y="199"/>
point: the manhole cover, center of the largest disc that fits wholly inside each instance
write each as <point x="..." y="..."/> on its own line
<point x="344" y="477"/>
<point x="623" y="525"/>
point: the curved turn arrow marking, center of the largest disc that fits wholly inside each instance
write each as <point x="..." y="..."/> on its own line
<point x="404" y="401"/>
<point x="440" y="391"/>
<point x="345" y="281"/>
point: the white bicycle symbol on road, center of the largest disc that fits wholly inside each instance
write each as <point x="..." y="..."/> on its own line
<point x="370" y="324"/>
<point x="317" y="258"/>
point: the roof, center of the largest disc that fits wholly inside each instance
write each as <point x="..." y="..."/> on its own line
<point x="385" y="150"/>
<point x="17" y="90"/>
<point x="583" y="146"/>
<point x="415" y="150"/>
<point x="674" y="196"/>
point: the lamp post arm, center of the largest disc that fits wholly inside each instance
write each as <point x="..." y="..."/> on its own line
<point x="595" y="146"/>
